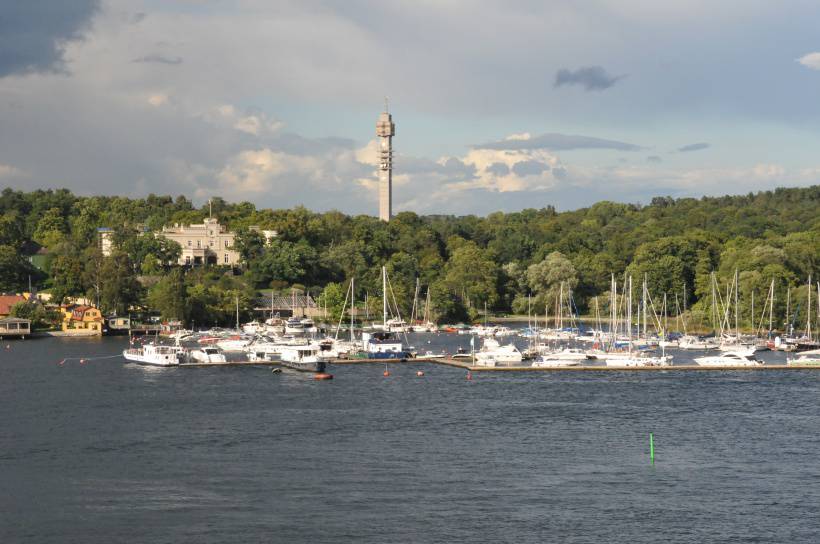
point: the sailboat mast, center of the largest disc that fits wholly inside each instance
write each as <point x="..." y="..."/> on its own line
<point x="737" y="307"/>
<point x="808" y="311"/>
<point x="384" y="297"/>
<point x="771" y="306"/>
<point x="629" y="315"/>
<point x="352" y="305"/>
<point x="237" y="312"/>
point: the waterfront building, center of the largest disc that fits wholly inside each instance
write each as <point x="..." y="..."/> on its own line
<point x="106" y="240"/>
<point x="208" y="243"/>
<point x="385" y="130"/>
<point x="7" y="301"/>
<point x="82" y="319"/>
<point x="14" y="327"/>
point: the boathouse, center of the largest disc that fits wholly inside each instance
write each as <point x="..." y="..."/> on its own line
<point x="14" y="327"/>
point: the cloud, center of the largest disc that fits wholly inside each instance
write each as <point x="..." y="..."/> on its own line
<point x="33" y="36"/>
<point x="159" y="59"/>
<point x="654" y="159"/>
<point x="498" y="169"/>
<point x="8" y="171"/>
<point x="694" y="147"/>
<point x="557" y="142"/>
<point x="811" y="60"/>
<point x="591" y="78"/>
<point x="529" y="168"/>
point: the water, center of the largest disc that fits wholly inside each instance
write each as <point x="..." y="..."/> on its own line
<point x="107" y="452"/>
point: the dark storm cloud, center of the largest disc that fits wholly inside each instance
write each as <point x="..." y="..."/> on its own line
<point x="526" y="168"/>
<point x="654" y="159"/>
<point x="591" y="78"/>
<point x="559" y="142"/>
<point x="159" y="59"/>
<point x="693" y="147"/>
<point x="33" y="33"/>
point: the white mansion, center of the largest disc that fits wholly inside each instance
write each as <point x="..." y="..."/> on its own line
<point x="208" y="243"/>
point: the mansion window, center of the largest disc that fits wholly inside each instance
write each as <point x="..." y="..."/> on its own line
<point x="198" y="244"/>
<point x="189" y="243"/>
<point x="226" y="258"/>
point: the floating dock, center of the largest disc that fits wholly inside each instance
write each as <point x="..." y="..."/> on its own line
<point x="467" y="365"/>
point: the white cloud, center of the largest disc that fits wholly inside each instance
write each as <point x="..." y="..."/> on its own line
<point x="811" y="60"/>
<point x="7" y="171"/>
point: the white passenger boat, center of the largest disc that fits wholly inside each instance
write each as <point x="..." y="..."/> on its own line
<point x="209" y="354"/>
<point x="156" y="355"/>
<point x="729" y="358"/>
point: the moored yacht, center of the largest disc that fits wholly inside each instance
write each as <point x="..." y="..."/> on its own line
<point x="492" y="353"/>
<point x="208" y="354"/>
<point x="729" y="358"/>
<point x="304" y="358"/>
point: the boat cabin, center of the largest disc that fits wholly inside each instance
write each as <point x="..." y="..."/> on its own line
<point x="381" y="342"/>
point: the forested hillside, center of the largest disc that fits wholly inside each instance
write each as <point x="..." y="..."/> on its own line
<point x="466" y="262"/>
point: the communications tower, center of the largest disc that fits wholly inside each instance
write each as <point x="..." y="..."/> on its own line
<point x="385" y="130"/>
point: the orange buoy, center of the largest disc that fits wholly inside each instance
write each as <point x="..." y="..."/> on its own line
<point x="386" y="373"/>
<point x="419" y="373"/>
<point x="82" y="361"/>
<point x="322" y="376"/>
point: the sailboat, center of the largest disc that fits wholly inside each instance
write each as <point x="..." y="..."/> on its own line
<point x="632" y="359"/>
<point x="384" y="344"/>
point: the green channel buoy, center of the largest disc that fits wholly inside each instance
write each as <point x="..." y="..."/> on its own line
<point x="652" y="448"/>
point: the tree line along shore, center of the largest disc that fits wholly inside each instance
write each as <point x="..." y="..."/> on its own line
<point x="509" y="263"/>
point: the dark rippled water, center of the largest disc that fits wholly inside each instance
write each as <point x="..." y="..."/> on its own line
<point x="112" y="452"/>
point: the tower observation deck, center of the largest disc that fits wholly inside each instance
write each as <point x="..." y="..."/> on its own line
<point x="385" y="130"/>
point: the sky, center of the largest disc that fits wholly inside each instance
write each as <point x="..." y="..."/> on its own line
<point x="498" y="105"/>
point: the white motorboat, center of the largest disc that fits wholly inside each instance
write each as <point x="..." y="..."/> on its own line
<point x="492" y="353"/>
<point x="304" y="358"/>
<point x="156" y="355"/>
<point x="545" y="362"/>
<point x="807" y="358"/>
<point x="695" y="343"/>
<point x="308" y="325"/>
<point x="729" y="358"/>
<point x="634" y="360"/>
<point x="209" y="354"/>
<point x="253" y="327"/>
<point x="294" y="326"/>
<point x="566" y="354"/>
<point x="234" y="344"/>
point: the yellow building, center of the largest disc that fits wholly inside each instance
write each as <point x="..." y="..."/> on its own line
<point x="82" y="319"/>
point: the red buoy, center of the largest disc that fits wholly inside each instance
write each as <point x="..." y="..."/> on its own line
<point x="419" y="373"/>
<point x="322" y="376"/>
<point x="82" y="361"/>
<point x="469" y="375"/>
